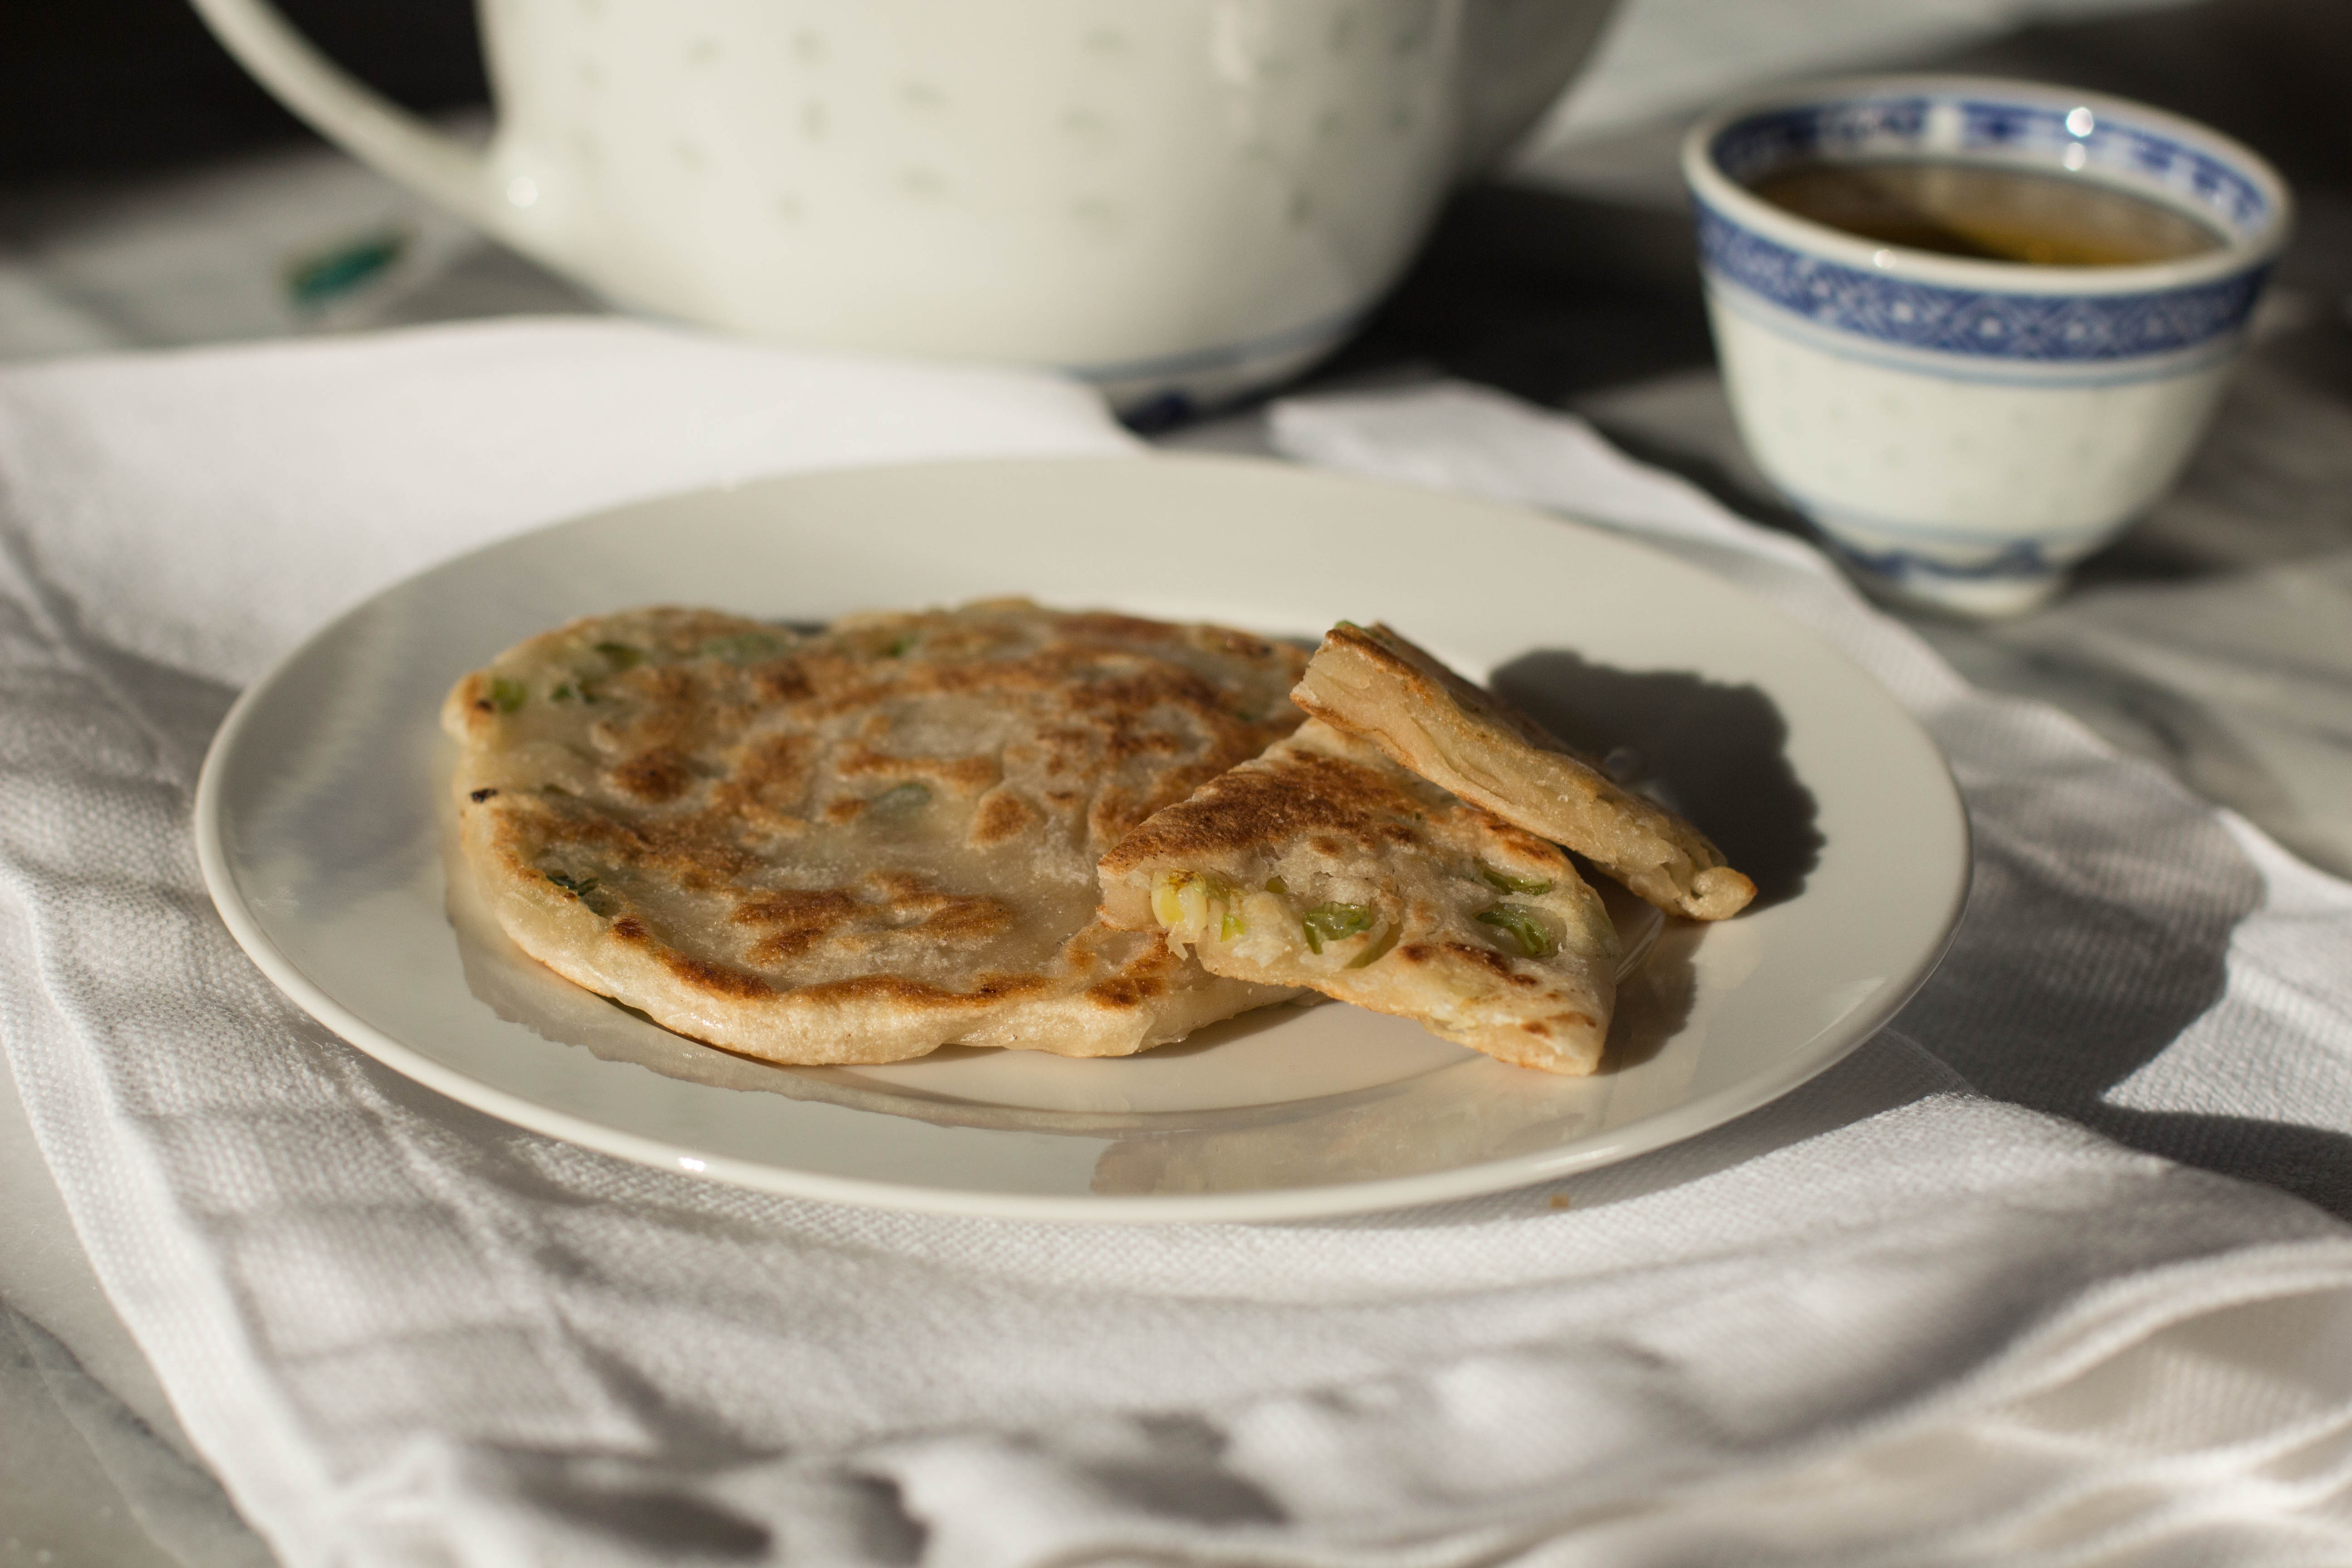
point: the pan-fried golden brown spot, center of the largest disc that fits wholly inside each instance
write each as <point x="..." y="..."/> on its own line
<point x="764" y="785"/>
<point x="470" y="712"/>
<point x="1003" y="816"/>
<point x="774" y="769"/>
<point x="780" y="682"/>
<point x="794" y="920"/>
<point x="988" y="991"/>
<point x="1468" y="956"/>
<point x="958" y="922"/>
<point x="1103" y="626"/>
<point x="716" y="979"/>
<point x="1333" y="801"/>
<point x="895" y="907"/>
<point x="654" y="776"/>
<point x="1130" y="990"/>
<point x="648" y="707"/>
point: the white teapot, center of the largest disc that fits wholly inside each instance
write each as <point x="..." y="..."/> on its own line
<point x="1173" y="198"/>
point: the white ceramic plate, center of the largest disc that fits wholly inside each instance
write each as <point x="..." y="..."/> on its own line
<point x="319" y="824"/>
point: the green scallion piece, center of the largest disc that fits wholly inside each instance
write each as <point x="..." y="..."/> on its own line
<point x="747" y="648"/>
<point x="1334" y="923"/>
<point x="1504" y="882"/>
<point x="905" y="797"/>
<point x="506" y="695"/>
<point x="621" y="656"/>
<point x="1529" y="934"/>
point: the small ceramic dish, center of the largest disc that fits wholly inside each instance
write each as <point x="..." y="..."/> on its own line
<point x="1963" y="430"/>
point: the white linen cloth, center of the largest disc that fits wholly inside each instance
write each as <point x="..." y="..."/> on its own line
<point x="1918" y="1311"/>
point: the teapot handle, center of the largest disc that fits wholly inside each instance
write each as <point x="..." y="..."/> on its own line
<point x="374" y="129"/>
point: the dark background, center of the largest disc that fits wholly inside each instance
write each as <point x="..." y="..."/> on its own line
<point x="95" y="87"/>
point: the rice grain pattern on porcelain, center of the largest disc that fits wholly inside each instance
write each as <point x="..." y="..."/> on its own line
<point x="1178" y="200"/>
<point x="1964" y="430"/>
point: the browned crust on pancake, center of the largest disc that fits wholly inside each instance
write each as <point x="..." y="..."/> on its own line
<point x="1004" y="816"/>
<point x="1375" y="684"/>
<point x="1336" y="804"/>
<point x="1339" y="800"/>
<point x="655" y="776"/>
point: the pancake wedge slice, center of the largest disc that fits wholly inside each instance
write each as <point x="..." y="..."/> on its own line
<point x="1323" y="864"/>
<point x="1373" y="684"/>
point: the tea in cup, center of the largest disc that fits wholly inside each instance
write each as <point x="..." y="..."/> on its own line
<point x="1974" y="328"/>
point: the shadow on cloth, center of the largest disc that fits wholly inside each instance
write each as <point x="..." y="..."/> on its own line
<point x="2098" y="929"/>
<point x="701" y="1508"/>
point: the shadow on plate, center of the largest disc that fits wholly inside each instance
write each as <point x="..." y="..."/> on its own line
<point x="1654" y="1001"/>
<point x="1717" y="754"/>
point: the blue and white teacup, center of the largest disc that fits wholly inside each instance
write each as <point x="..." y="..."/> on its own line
<point x="1964" y="430"/>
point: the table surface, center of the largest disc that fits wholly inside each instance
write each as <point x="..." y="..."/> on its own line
<point x="2215" y="639"/>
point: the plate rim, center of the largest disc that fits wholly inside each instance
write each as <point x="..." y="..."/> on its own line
<point x="1677" y="1123"/>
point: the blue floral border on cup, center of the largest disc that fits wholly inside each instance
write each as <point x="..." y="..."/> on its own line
<point x="2020" y="330"/>
<point x="1981" y="323"/>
